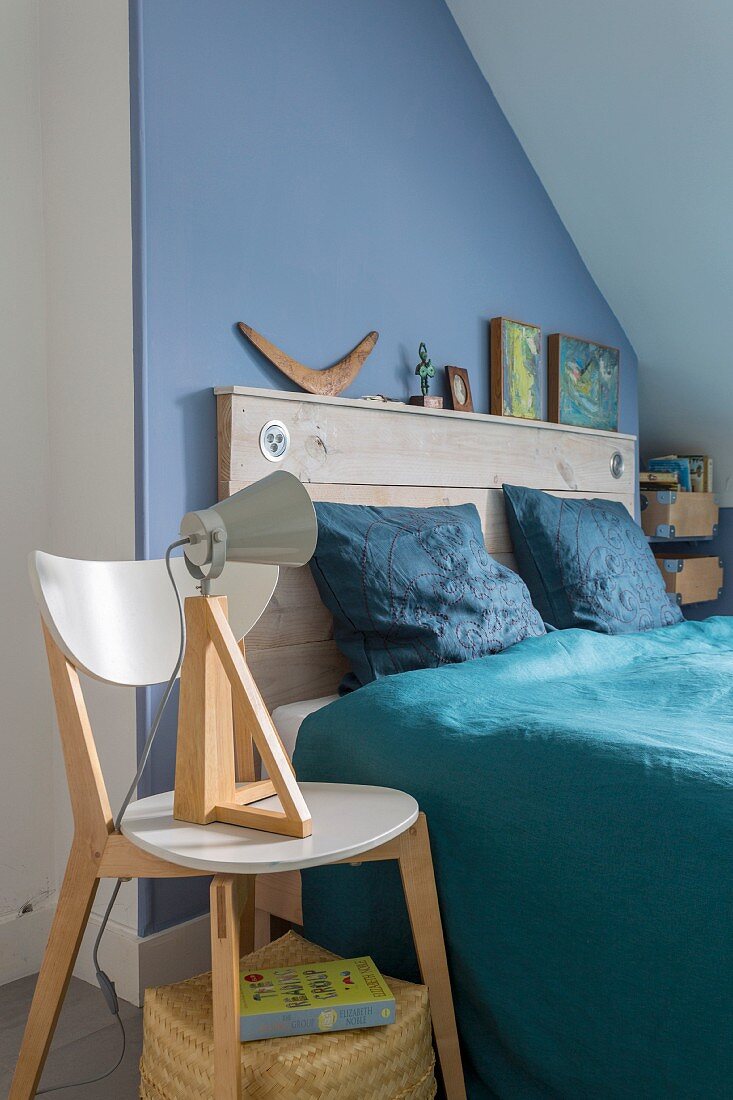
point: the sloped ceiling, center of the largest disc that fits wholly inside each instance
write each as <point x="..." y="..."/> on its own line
<point x="625" y="109"/>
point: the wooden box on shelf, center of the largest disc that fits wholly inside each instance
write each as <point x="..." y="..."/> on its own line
<point x="690" y="578"/>
<point x="676" y="515"/>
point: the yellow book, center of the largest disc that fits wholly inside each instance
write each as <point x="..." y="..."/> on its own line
<point x="312" y="998"/>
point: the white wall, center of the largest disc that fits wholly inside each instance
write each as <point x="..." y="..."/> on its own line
<point x="26" y="844"/>
<point x="625" y="111"/>
<point x="85" y="103"/>
<point x="66" y="419"/>
<point x="66" y="447"/>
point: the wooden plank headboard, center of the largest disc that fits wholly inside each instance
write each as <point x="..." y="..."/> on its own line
<point x="369" y="453"/>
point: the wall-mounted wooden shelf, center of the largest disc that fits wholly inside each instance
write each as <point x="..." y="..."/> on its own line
<point x="691" y="579"/>
<point x="671" y="516"/>
<point x="668" y="518"/>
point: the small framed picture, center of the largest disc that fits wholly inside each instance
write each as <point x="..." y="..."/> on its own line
<point x="516" y="385"/>
<point x="460" y="389"/>
<point x="583" y="382"/>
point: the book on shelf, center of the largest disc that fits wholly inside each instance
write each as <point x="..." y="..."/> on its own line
<point x="701" y="472"/>
<point x="313" y="998"/>
<point x="659" y="480"/>
<point x="672" y="464"/>
<point x="694" y="472"/>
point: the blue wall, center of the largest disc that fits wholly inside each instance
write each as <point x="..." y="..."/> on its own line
<point x="319" y="169"/>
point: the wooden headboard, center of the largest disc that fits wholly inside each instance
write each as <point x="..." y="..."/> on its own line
<point x="369" y="453"/>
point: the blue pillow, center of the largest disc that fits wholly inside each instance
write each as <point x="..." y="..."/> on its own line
<point x="414" y="588"/>
<point x="587" y="563"/>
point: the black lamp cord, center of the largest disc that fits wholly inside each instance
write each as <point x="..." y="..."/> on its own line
<point x="105" y="983"/>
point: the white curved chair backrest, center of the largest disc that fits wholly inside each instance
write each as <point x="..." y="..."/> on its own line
<point x="118" y="620"/>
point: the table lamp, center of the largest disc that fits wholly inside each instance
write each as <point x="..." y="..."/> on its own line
<point x="270" y="522"/>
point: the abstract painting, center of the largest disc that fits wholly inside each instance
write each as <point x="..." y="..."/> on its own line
<point x="516" y="384"/>
<point x="583" y="383"/>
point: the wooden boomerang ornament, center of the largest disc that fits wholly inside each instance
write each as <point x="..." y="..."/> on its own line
<point x="329" y="382"/>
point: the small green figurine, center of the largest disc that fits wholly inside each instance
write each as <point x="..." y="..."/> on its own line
<point x="425" y="369"/>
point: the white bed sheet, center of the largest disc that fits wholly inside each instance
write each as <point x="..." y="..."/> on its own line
<point x="288" y="720"/>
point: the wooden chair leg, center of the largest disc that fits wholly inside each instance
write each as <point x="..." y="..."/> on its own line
<point x="72" y="913"/>
<point x="418" y="881"/>
<point x="262" y="928"/>
<point x="247" y="919"/>
<point x="228" y="894"/>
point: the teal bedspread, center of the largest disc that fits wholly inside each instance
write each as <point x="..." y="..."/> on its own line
<point x="579" y="794"/>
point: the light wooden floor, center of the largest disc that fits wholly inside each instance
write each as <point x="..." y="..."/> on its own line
<point x="87" y="1042"/>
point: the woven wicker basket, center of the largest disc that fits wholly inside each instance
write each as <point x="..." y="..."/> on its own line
<point x="379" y="1063"/>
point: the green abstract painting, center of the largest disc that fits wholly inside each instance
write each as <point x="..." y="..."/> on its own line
<point x="585" y="378"/>
<point x="516" y="347"/>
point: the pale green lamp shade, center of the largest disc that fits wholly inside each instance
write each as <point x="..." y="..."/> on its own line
<point x="271" y="522"/>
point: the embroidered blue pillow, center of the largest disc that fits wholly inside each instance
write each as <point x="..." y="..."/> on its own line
<point x="415" y="588"/>
<point x="587" y="563"/>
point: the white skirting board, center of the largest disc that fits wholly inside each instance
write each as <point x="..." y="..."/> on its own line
<point x="135" y="962"/>
<point x="23" y="940"/>
<point x="132" y="962"/>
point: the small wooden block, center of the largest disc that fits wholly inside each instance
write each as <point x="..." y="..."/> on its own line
<point x="427" y="402"/>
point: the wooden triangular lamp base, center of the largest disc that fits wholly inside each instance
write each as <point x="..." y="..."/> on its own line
<point x="217" y="693"/>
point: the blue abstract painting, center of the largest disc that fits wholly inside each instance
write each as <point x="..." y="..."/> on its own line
<point x="585" y="378"/>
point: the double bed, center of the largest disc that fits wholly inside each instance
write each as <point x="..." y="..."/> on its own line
<point x="577" y="785"/>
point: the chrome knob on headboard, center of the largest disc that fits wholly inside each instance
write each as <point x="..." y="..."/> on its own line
<point x="617" y="464"/>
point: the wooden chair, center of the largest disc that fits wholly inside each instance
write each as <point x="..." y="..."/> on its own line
<point x="117" y="622"/>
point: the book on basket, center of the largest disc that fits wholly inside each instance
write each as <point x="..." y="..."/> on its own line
<point x="701" y="472"/>
<point x="694" y="472"/>
<point x="656" y="481"/>
<point x="318" y="997"/>
<point x="672" y="464"/>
